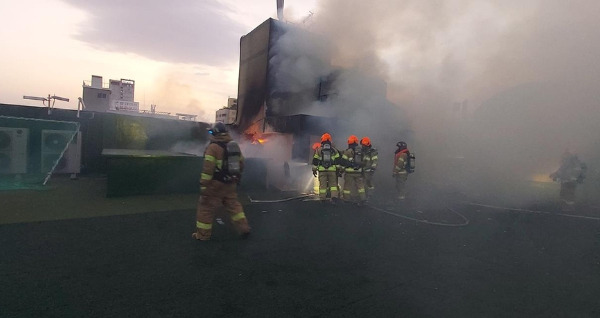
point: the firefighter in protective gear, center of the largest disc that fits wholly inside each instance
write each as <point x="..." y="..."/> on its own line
<point x="400" y="172"/>
<point x="353" y="164"/>
<point x="370" y="159"/>
<point x="221" y="173"/>
<point x="571" y="172"/>
<point x="325" y="163"/>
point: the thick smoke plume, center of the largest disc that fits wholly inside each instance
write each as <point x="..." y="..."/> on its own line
<point x="489" y="94"/>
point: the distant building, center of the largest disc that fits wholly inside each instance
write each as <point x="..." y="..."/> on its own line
<point x="118" y="96"/>
<point x="227" y="115"/>
<point x="122" y="95"/>
<point x="95" y="96"/>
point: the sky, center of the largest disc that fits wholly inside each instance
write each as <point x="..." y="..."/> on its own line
<point x="183" y="55"/>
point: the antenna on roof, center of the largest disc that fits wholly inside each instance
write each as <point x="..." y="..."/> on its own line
<point x="308" y="17"/>
<point x="280" y="10"/>
<point x="44" y="100"/>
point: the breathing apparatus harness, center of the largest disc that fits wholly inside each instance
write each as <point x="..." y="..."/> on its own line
<point x="327" y="155"/>
<point x="356" y="162"/>
<point x="230" y="170"/>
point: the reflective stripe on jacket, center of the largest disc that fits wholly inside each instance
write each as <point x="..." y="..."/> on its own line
<point x="371" y="158"/>
<point x="213" y="159"/>
<point x="348" y="162"/>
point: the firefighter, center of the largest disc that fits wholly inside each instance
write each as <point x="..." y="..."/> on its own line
<point x="221" y="173"/>
<point x="353" y="164"/>
<point x="325" y="163"/>
<point x="401" y="168"/>
<point x="370" y="164"/>
<point x="571" y="172"/>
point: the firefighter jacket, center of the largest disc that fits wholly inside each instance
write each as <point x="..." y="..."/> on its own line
<point x="214" y="155"/>
<point x="400" y="162"/>
<point x="326" y="160"/>
<point x="352" y="161"/>
<point x="370" y="158"/>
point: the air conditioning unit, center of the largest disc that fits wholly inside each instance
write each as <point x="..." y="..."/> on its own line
<point x="13" y="150"/>
<point x="53" y="144"/>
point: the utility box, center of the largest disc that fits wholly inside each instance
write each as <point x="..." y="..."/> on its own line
<point x="13" y="150"/>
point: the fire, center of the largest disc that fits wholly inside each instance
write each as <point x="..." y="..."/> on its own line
<point x="541" y="178"/>
<point x="257" y="140"/>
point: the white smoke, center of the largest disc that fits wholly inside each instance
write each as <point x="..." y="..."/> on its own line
<point x="493" y="91"/>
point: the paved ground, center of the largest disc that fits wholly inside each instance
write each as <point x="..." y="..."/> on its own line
<point x="82" y="198"/>
<point x="306" y="260"/>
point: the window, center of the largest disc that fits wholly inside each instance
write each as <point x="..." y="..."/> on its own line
<point x="101" y="95"/>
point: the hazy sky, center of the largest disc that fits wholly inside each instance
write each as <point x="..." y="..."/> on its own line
<point x="182" y="54"/>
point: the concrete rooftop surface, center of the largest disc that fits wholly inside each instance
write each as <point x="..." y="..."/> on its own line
<point x="70" y="252"/>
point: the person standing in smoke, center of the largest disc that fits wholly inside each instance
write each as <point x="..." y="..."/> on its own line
<point x="401" y="168"/>
<point x="571" y="172"/>
<point x="353" y="163"/>
<point x="370" y="159"/>
<point x="325" y="163"/>
<point x="221" y="173"/>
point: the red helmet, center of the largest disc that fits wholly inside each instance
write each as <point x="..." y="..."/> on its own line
<point x="316" y="146"/>
<point x="365" y="141"/>
<point x="352" y="140"/>
<point x="326" y="137"/>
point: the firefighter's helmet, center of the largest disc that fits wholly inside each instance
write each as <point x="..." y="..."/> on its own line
<point x="316" y="146"/>
<point x="365" y="141"/>
<point x="326" y="137"/>
<point x="401" y="145"/>
<point x="218" y="129"/>
<point x="352" y="140"/>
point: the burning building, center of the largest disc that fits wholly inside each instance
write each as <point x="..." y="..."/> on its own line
<point x="289" y="93"/>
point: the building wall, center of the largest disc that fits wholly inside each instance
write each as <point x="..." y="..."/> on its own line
<point x="252" y="82"/>
<point x="122" y="95"/>
<point x="232" y="102"/>
<point x="225" y="116"/>
<point x="122" y="90"/>
<point x="100" y="130"/>
<point x="96" y="99"/>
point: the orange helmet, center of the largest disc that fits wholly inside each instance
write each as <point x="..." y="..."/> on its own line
<point x="316" y="146"/>
<point x="352" y="140"/>
<point x="365" y="141"/>
<point x="326" y="137"/>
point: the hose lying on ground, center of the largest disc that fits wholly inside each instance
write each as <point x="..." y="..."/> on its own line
<point x="280" y="200"/>
<point x="531" y="211"/>
<point x="465" y="223"/>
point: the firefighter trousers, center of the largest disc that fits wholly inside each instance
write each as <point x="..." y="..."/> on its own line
<point x="328" y="181"/>
<point x="369" y="186"/>
<point x="216" y="194"/>
<point x="401" y="178"/>
<point x="567" y="191"/>
<point x="354" y="187"/>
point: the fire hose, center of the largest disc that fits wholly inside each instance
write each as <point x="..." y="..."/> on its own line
<point x="465" y="223"/>
<point x="532" y="211"/>
<point x="280" y="200"/>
